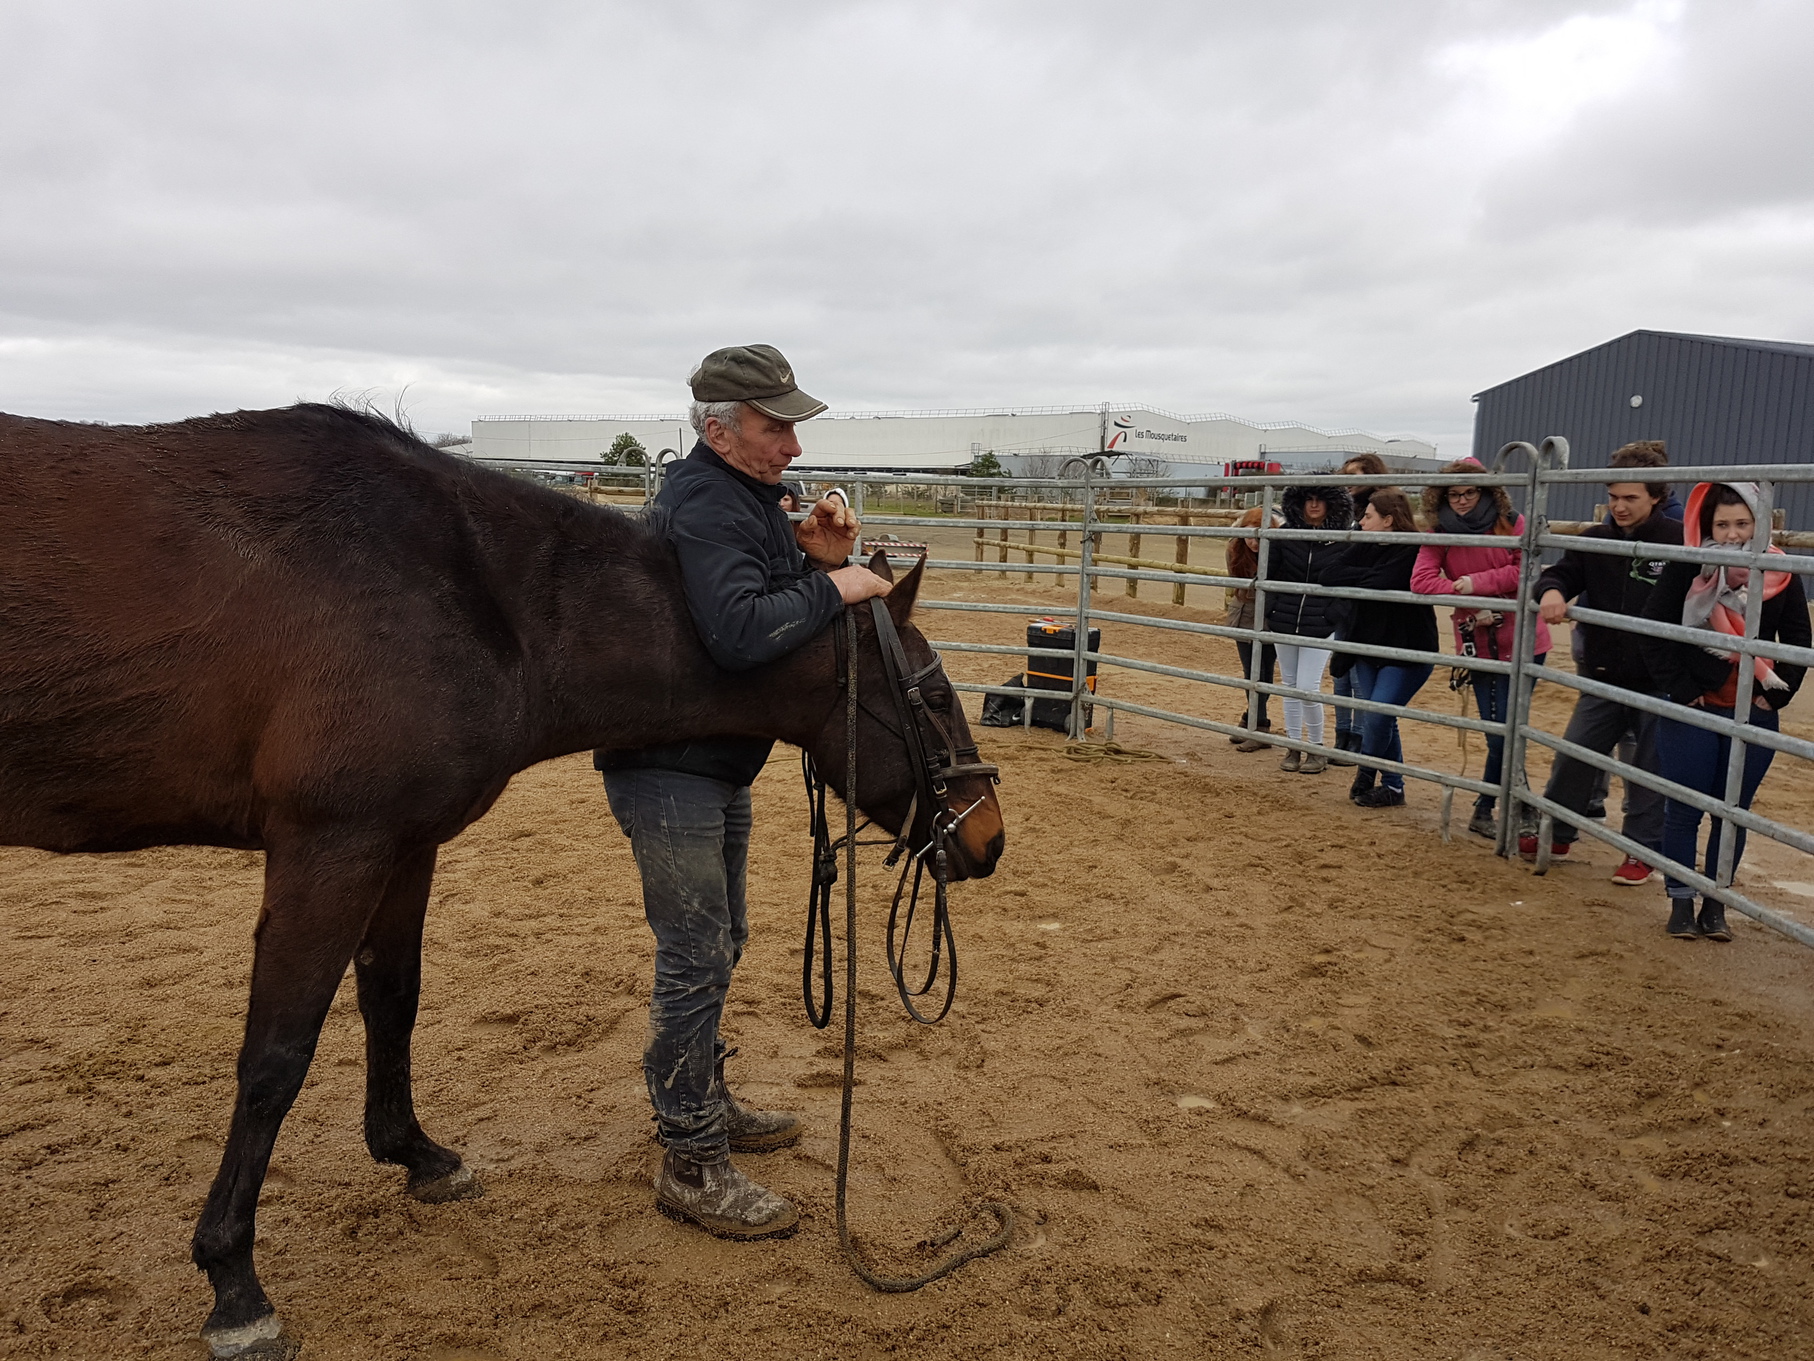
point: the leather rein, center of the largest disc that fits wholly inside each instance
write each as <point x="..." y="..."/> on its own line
<point x="935" y="759"/>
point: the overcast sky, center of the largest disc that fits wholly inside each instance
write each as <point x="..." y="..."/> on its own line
<point x="1352" y="214"/>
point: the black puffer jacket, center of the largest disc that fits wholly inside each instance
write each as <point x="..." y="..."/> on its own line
<point x="752" y="596"/>
<point x="1307" y="560"/>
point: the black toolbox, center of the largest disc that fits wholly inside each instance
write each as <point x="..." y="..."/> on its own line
<point x="1055" y="673"/>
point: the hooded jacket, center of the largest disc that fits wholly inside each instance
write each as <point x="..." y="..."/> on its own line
<point x="752" y="596"/>
<point x="1686" y="672"/>
<point x="1618" y="586"/>
<point x="1307" y="560"/>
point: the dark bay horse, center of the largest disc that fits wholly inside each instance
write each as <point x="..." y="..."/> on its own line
<point x="306" y="632"/>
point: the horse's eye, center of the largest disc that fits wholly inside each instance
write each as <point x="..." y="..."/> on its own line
<point x="939" y="700"/>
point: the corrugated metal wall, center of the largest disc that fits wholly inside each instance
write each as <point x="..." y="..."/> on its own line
<point x="1711" y="400"/>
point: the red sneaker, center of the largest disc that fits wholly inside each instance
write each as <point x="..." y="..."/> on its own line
<point x="1632" y="873"/>
<point x="1527" y="847"/>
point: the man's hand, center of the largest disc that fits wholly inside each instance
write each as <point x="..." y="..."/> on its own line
<point x="857" y="584"/>
<point x="1552" y="607"/>
<point x="828" y="533"/>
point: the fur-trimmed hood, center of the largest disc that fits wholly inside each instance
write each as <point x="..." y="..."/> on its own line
<point x="1339" y="503"/>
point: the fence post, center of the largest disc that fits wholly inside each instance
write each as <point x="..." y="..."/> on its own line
<point x="1002" y="552"/>
<point x="1064" y="537"/>
<point x="1183" y="557"/>
<point x="982" y="535"/>
<point x="857" y="547"/>
<point x="1032" y="538"/>
<point x="1518" y="701"/>
<point x="1085" y="584"/>
<point x="1133" y="551"/>
<point x="1257" y="670"/>
<point x="1747" y="671"/>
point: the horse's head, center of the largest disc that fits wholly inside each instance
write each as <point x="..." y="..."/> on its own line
<point x="890" y="788"/>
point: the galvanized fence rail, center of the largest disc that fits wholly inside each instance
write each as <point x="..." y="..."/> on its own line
<point x="1082" y="507"/>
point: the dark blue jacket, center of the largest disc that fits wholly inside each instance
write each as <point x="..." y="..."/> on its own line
<point x="751" y="593"/>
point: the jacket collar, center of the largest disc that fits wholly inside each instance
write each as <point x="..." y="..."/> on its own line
<point x="707" y="457"/>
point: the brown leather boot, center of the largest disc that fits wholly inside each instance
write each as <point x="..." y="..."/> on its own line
<point x="721" y="1200"/>
<point x="753" y="1131"/>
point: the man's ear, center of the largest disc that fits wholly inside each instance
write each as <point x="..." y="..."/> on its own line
<point x="878" y="563"/>
<point x="900" y="599"/>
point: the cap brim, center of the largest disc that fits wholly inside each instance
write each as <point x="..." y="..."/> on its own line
<point x="789" y="406"/>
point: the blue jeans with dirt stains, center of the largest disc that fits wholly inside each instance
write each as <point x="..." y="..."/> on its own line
<point x="691" y="839"/>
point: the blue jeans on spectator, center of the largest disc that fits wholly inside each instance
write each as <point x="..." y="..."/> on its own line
<point x="691" y="838"/>
<point x="1493" y="696"/>
<point x="1385" y="683"/>
<point x="1697" y="758"/>
<point x="1347" y="720"/>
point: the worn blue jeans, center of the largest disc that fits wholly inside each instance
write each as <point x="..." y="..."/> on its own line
<point x="1493" y="697"/>
<point x="1697" y="758"/>
<point x="691" y="839"/>
<point x="1385" y="683"/>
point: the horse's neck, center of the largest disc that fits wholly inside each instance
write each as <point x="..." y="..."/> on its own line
<point x="616" y="662"/>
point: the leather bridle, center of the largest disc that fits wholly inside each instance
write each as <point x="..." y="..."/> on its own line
<point x="935" y="758"/>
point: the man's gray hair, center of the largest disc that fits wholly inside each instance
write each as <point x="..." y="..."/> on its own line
<point x="729" y="414"/>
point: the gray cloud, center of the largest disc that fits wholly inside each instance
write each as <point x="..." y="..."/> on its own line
<point x="1353" y="215"/>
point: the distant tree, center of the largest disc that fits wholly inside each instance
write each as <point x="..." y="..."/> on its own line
<point x="626" y="451"/>
<point x="448" y="441"/>
<point x="986" y="464"/>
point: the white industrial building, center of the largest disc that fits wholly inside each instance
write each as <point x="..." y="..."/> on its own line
<point x="1033" y="441"/>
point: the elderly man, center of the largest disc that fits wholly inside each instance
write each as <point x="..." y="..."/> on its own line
<point x="757" y="587"/>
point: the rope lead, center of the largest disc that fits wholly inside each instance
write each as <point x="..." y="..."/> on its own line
<point x="1004" y="1217"/>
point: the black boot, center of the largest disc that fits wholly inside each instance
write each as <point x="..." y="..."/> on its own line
<point x="1363" y="781"/>
<point x="1681" y="919"/>
<point x="1712" y="923"/>
<point x="1482" y="824"/>
<point x="1345" y="741"/>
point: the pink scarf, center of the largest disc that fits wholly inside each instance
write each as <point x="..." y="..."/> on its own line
<point x="1717" y="597"/>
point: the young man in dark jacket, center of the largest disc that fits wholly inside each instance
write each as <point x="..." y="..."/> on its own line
<point x="757" y="587"/>
<point x="1613" y="585"/>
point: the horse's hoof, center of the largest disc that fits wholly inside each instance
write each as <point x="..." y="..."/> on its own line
<point x="459" y="1184"/>
<point x="261" y="1340"/>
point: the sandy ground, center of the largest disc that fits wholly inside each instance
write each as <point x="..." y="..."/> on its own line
<point x="1263" y="1074"/>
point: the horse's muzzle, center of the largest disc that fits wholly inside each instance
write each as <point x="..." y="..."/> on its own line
<point x="977" y="843"/>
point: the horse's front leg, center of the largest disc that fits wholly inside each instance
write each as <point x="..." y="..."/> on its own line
<point x="320" y="890"/>
<point x="389" y="968"/>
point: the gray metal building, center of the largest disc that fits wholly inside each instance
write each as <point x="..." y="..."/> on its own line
<point x="1711" y="399"/>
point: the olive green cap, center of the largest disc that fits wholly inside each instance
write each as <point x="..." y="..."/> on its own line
<point x="757" y="374"/>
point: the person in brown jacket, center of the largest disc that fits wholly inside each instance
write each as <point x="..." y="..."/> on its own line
<point x="1244" y="561"/>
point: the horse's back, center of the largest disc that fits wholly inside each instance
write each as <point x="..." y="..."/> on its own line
<point x="201" y="619"/>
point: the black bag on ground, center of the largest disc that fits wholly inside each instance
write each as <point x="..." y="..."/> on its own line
<point x="1007" y="711"/>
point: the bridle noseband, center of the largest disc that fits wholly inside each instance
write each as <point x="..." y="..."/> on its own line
<point x="935" y="758"/>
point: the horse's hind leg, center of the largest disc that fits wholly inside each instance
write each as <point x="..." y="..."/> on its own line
<point x="318" y="896"/>
<point x="389" y="969"/>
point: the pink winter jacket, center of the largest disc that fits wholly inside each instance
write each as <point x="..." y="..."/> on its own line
<point x="1495" y="572"/>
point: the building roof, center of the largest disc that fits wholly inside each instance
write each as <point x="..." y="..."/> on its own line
<point x="1792" y="348"/>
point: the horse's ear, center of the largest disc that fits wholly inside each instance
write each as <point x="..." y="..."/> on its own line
<point x="878" y="563"/>
<point x="900" y="599"/>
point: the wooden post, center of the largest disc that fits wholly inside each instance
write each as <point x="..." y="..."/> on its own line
<point x="1002" y="552"/>
<point x="1095" y="548"/>
<point x="981" y="534"/>
<point x="1064" y="536"/>
<point x="1183" y="557"/>
<point x="1133" y="551"/>
<point x="1033" y="513"/>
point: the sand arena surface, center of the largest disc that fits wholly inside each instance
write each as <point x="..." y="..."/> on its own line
<point x="1262" y="1074"/>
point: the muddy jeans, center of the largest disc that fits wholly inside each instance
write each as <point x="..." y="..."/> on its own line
<point x="691" y="838"/>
